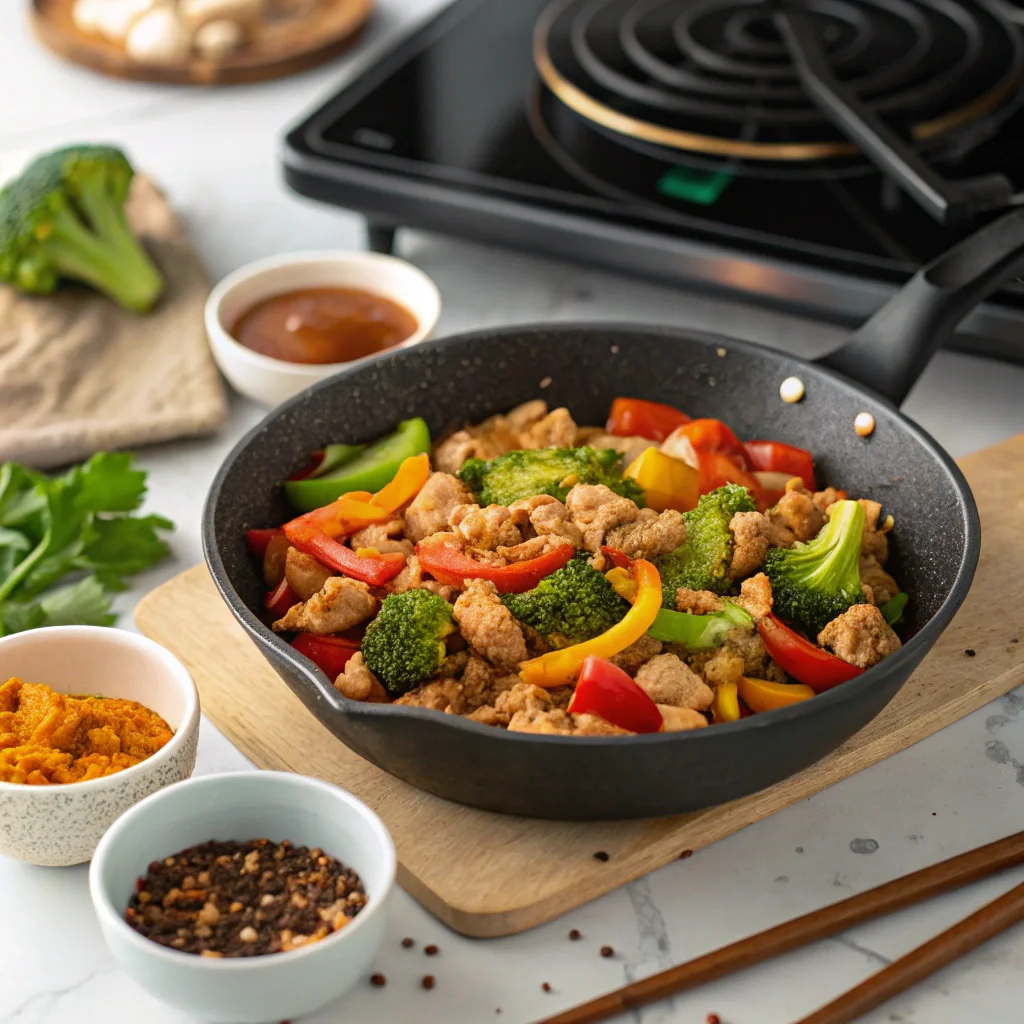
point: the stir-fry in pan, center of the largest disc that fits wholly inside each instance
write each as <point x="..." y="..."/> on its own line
<point x="531" y="574"/>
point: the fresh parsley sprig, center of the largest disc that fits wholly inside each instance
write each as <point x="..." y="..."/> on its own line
<point x="67" y="542"/>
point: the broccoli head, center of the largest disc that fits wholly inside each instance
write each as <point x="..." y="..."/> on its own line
<point x="814" y="582"/>
<point x="63" y="217"/>
<point x="404" y="644"/>
<point x="702" y="561"/>
<point x="523" y="473"/>
<point x="571" y="605"/>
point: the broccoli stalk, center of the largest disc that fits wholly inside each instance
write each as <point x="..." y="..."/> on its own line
<point x="525" y="472"/>
<point x="813" y="582"/>
<point x="64" y="218"/>
<point x="404" y="645"/>
<point x="571" y="605"/>
<point x="699" y="632"/>
<point x="703" y="560"/>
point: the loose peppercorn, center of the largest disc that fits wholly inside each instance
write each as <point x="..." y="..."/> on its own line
<point x="546" y="987"/>
<point x="712" y="1018"/>
<point x="601" y="855"/>
<point x="428" y="981"/>
<point x="607" y="951"/>
<point x="407" y="943"/>
<point x="575" y="934"/>
<point x="378" y="980"/>
<point x="970" y="652"/>
<point x="430" y="950"/>
<point x="686" y="854"/>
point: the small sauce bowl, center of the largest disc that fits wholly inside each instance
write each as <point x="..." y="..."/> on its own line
<point x="272" y="381"/>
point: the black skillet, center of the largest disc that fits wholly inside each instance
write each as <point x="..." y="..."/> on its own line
<point x="584" y="366"/>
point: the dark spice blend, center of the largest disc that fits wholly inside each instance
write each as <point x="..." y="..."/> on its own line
<point x="244" y="898"/>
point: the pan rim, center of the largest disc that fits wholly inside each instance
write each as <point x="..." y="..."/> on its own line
<point x="339" y="705"/>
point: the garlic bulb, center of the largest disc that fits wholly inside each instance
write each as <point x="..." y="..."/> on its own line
<point x="158" y="37"/>
<point x="218" y="39"/>
<point x="113" y="19"/>
<point x="196" y="13"/>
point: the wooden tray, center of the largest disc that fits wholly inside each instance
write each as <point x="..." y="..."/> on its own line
<point x="280" y="47"/>
<point x="486" y="874"/>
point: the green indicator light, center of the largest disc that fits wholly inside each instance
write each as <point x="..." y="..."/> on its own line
<point x="693" y="186"/>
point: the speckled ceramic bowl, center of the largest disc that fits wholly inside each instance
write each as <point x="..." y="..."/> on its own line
<point x="59" y="825"/>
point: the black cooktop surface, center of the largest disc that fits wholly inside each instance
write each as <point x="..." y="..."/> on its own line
<point x="684" y="118"/>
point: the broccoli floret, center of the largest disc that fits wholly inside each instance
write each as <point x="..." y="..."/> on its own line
<point x="524" y="473"/>
<point x="404" y="644"/>
<point x="812" y="583"/>
<point x="63" y="217"/>
<point x="702" y="561"/>
<point x="571" y="605"/>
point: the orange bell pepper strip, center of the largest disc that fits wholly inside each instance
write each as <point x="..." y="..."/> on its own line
<point x="559" y="668"/>
<point x="405" y="485"/>
<point x="764" y="695"/>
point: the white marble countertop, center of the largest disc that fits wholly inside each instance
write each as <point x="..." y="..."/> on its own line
<point x="215" y="153"/>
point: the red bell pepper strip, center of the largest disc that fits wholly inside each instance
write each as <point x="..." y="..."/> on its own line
<point x="782" y="458"/>
<point x="375" y="570"/>
<point x="257" y="541"/>
<point x="617" y="558"/>
<point x="450" y="564"/>
<point x="708" y="435"/>
<point x="329" y="653"/>
<point x="280" y="599"/>
<point x="605" y="690"/>
<point x="717" y="469"/>
<point x="635" y="417"/>
<point x="801" y="659"/>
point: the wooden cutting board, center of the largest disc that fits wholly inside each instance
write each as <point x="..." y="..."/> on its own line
<point x="486" y="874"/>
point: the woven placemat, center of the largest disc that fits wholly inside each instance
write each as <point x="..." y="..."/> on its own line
<point x="79" y="374"/>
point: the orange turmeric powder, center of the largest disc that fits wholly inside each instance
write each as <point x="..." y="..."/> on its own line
<point x="54" y="738"/>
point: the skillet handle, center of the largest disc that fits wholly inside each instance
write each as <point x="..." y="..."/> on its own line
<point x="892" y="349"/>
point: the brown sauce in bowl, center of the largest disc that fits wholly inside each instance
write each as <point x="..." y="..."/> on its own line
<point x="323" y="325"/>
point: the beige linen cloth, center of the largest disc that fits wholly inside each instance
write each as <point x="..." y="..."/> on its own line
<point x="78" y="374"/>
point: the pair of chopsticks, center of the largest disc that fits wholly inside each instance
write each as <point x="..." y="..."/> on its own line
<point x="951" y="874"/>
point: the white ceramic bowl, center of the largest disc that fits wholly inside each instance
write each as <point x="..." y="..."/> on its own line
<point x="240" y="806"/>
<point x="270" y="380"/>
<point x="61" y="824"/>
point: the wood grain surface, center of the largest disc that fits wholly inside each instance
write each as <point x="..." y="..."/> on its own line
<point x="487" y="875"/>
<point x="281" y="46"/>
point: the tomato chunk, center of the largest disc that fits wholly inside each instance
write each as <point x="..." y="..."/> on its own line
<point x="774" y="456"/>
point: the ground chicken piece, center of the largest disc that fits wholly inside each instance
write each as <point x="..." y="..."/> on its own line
<point x="487" y="440"/>
<point x="756" y="661"/>
<point x="536" y="645"/>
<point x="875" y="543"/>
<point x="881" y="585"/>
<point x="724" y="666"/>
<point x="488" y="625"/>
<point x="594" y="725"/>
<point x="532" y="548"/>
<point x="341" y="604"/>
<point x="650" y="535"/>
<point x="305" y="575"/>
<point x="829" y="496"/>
<point x="523" y="697"/>
<point x="596" y="509"/>
<point x="454" y="664"/>
<point x="483" y="528"/>
<point x="547" y="721"/>
<point x="486" y="715"/>
<point x="548" y="517"/>
<point x="412" y="578"/>
<point x="556" y="430"/>
<point x="756" y="597"/>
<point x="698" y="602"/>
<point x="357" y="682"/>
<point x="385" y="537"/>
<point x="522" y="417"/>
<point x="667" y="680"/>
<point x="478" y="687"/>
<point x="680" y="719"/>
<point x="451" y="453"/>
<point x="637" y="654"/>
<point x="795" y="517"/>
<point x="751" y="534"/>
<point x="860" y="636"/>
<point x="437" y="695"/>
<point x="429" y="511"/>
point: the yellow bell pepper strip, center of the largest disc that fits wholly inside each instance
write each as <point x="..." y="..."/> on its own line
<point x="764" y="695"/>
<point x="559" y="668"/>
<point x="726" y="705"/>
<point x="405" y="485"/>
<point x="622" y="583"/>
<point x="667" y="482"/>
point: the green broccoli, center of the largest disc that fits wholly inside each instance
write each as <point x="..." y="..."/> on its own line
<point x="524" y="473"/>
<point x="404" y="644"/>
<point x="812" y="583"/>
<point x="571" y="605"/>
<point x="702" y="561"/>
<point x="63" y="217"/>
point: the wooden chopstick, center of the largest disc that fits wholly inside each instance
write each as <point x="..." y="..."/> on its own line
<point x="800" y="931"/>
<point x="971" y="932"/>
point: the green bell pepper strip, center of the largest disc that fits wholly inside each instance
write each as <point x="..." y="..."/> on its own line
<point x="892" y="610"/>
<point x="328" y="459"/>
<point x="698" y="631"/>
<point x="368" y="471"/>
